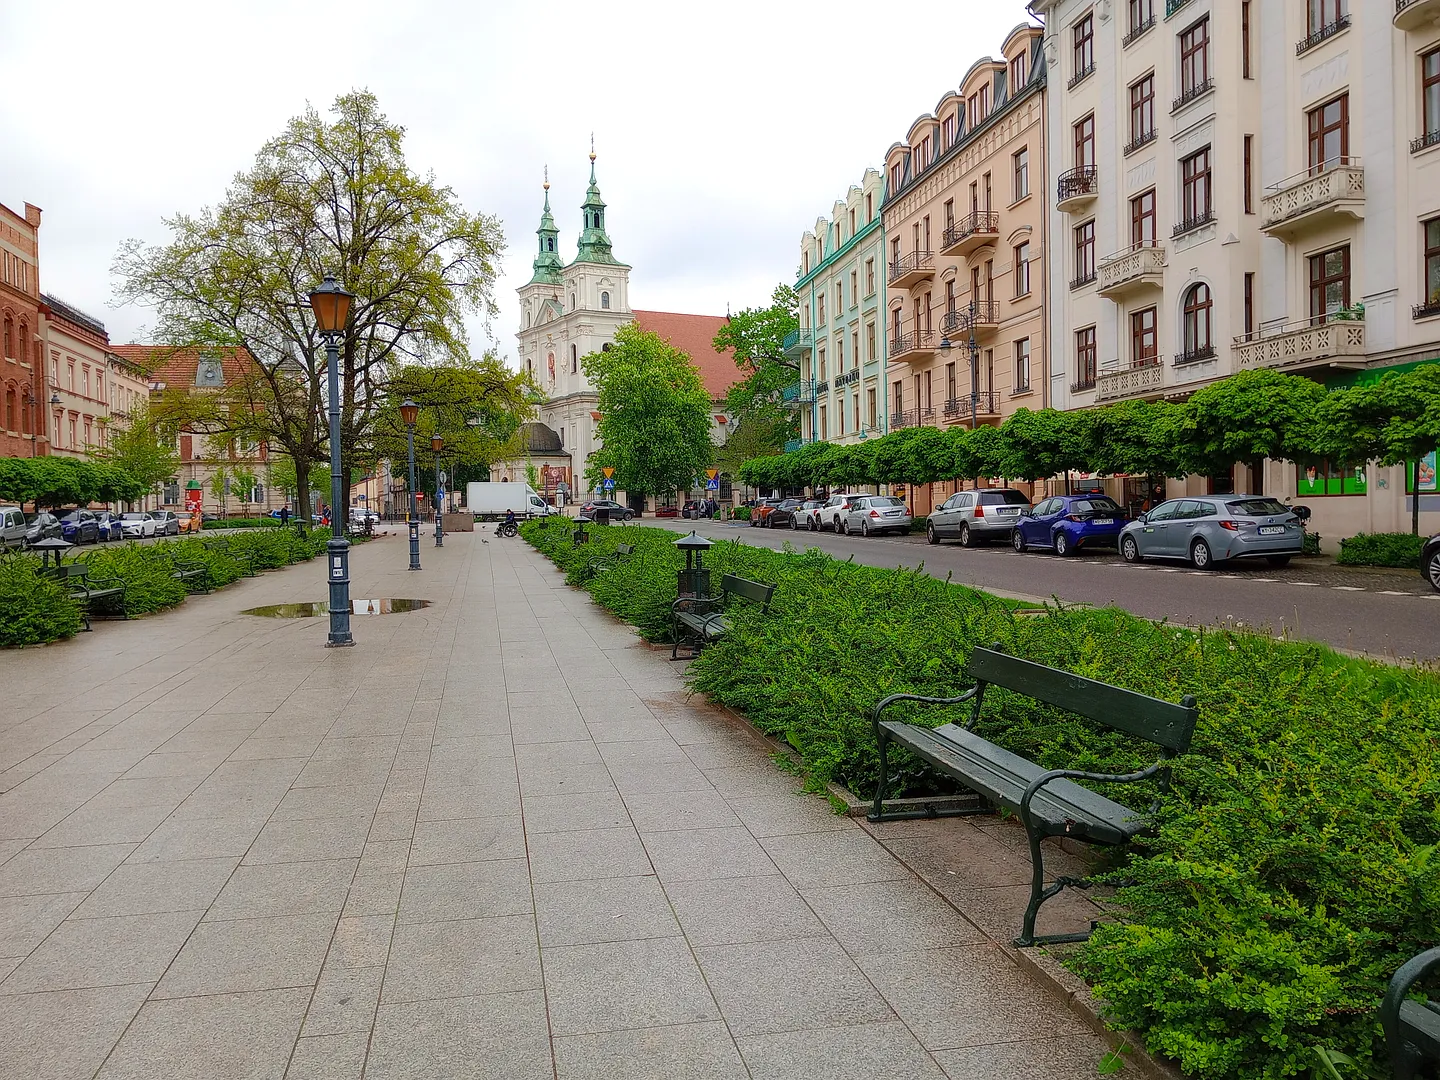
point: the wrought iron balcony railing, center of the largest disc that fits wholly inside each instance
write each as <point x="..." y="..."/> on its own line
<point x="1172" y="6"/>
<point x="976" y="223"/>
<point x="1325" y="32"/>
<point x="1080" y="76"/>
<point x="1199" y="90"/>
<point x="1082" y="182"/>
<point x="1424" y="311"/>
<point x="1190" y="224"/>
<point x="908" y="266"/>
<point x="1086" y="277"/>
<point x="1136" y="32"/>
<point x="1145" y="138"/>
<point x="1083" y="383"/>
<point x="1424" y="142"/>
<point x="1195" y="355"/>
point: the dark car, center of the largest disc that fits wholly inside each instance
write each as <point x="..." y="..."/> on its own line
<point x="783" y="516"/>
<point x="617" y="511"/>
<point x="762" y="509"/>
<point x="108" y="523"/>
<point x="80" y="527"/>
<point x="667" y="512"/>
<point x="1067" y="523"/>
<point x="1430" y="561"/>
<point x="42" y="526"/>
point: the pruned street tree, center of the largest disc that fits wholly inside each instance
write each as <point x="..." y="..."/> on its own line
<point x="756" y="337"/>
<point x="142" y="447"/>
<point x="1251" y="416"/>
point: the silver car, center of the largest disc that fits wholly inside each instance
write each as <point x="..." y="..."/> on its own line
<point x="835" y="511"/>
<point x="166" y="523"/>
<point x="12" y="527"/>
<point x="1213" y="529"/>
<point x="977" y="517"/>
<point x="875" y="514"/>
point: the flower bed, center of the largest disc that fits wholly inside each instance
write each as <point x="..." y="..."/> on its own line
<point x="1293" y="870"/>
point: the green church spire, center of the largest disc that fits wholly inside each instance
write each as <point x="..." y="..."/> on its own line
<point x="594" y="241"/>
<point x="548" y="267"/>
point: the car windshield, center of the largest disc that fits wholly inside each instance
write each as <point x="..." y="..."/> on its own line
<point x="886" y="500"/>
<point x="1083" y="505"/>
<point x="1258" y="506"/>
<point x="1006" y="498"/>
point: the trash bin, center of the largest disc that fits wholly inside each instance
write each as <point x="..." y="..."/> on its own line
<point x="602" y="515"/>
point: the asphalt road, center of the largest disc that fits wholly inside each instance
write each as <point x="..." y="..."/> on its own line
<point x="1386" y="613"/>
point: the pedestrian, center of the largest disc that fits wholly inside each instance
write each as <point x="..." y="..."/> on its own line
<point x="285" y="515"/>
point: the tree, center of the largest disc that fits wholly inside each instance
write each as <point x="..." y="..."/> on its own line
<point x="1251" y="416"/>
<point x="220" y="490"/>
<point x="756" y="337"/>
<point x="61" y="481"/>
<point x="324" y="196"/>
<point x="1143" y="438"/>
<point x="143" y="448"/>
<point x="1412" y="432"/>
<point x="242" y="484"/>
<point x="654" y="414"/>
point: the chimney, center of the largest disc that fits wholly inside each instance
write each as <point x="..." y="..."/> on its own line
<point x="32" y="215"/>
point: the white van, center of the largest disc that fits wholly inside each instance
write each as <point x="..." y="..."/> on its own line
<point x="12" y="527"/>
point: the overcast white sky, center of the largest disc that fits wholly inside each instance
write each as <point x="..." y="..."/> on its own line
<point x="723" y="131"/>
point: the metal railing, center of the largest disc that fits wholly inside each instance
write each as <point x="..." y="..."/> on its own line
<point x="1424" y="311"/>
<point x="798" y="339"/>
<point x="904" y="418"/>
<point x="1190" y="224"/>
<point x="952" y="320"/>
<point x="983" y="313"/>
<point x="1429" y="139"/>
<point x="978" y="222"/>
<point x="1085" y="382"/>
<point x="1083" y="280"/>
<point x="1081" y="180"/>
<point x="907" y="343"/>
<point x="797" y="392"/>
<point x="1325" y="32"/>
<point x="1136" y="32"/>
<point x="1172" y="6"/>
<point x="1143" y="139"/>
<point x="1199" y="90"/>
<point x="909" y="264"/>
<point x="1195" y="356"/>
<point x="954" y="407"/>
<point x="1080" y="76"/>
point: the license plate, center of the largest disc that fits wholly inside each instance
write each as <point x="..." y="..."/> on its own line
<point x="1103" y="521"/>
<point x="1272" y="530"/>
<point x="892" y="513"/>
<point x="1009" y="510"/>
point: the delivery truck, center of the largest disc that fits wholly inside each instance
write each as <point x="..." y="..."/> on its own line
<point x="490" y="500"/>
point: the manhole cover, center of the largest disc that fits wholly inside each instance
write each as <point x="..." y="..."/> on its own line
<point x="357" y="607"/>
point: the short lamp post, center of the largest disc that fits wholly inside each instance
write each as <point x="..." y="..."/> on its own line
<point x="331" y="305"/>
<point x="436" y="445"/>
<point x="409" y="413"/>
<point x="694" y="579"/>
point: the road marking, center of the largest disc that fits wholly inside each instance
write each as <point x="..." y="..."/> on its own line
<point x="1269" y="579"/>
<point x="1314" y="583"/>
<point x="1347" y="588"/>
<point x="1392" y="592"/>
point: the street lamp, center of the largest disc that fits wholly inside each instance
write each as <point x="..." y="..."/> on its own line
<point x="436" y="445"/>
<point x="331" y="305"/>
<point x="410" y="412"/>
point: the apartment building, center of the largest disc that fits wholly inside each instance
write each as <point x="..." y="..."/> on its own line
<point x="1350" y="211"/>
<point x="22" y="379"/>
<point x="840" y="346"/>
<point x="76" y="352"/>
<point x="966" y="253"/>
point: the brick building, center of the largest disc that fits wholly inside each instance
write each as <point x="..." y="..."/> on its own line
<point x="23" y="394"/>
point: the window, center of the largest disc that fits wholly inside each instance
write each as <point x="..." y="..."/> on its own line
<point x="1085" y="358"/>
<point x="70" y="377"/>
<point x="1021" y="160"/>
<point x="950" y="297"/>
<point x="1022" y="269"/>
<point x="1430" y="94"/>
<point x="927" y="308"/>
<point x="974" y="196"/>
<point x="1245" y="40"/>
<point x="74" y="438"/>
<point x="89" y="432"/>
<point x="820" y="303"/>
<point x="852" y="222"/>
<point x="854" y="287"/>
<point x="1085" y="142"/>
<point x="1195" y="197"/>
<point x="897" y="397"/>
<point x="604" y="301"/>
<point x="870" y="353"/>
<point x="1331" y="478"/>
<point x="1142" y="111"/>
<point x="1249" y="292"/>
<point x="926" y="233"/>
<point x="1084" y="48"/>
<point x="840" y="355"/>
<point x="574" y="359"/>
<point x="9" y="336"/>
<point x="869" y="208"/>
<point x="855" y="347"/>
<point x="950" y="130"/>
<point x="1142" y="218"/>
<point x="1084" y="253"/>
<point x="1329" y="139"/>
<point x="1195" y="58"/>
<point x="869" y="277"/>
<point x="1430" y="295"/>
<point x="839" y="298"/>
<point x="895" y="249"/>
<point x="1198" y="307"/>
<point x="870" y="407"/>
<point x="1321" y="14"/>
<point x="897" y="176"/>
<point x="824" y="427"/>
<point x="989" y="201"/>
<point x="1329" y="283"/>
<point x="85" y="380"/>
<point x="895" y="324"/>
<point x="1017" y="74"/>
<point x="1249" y="174"/>
<point x="950" y="382"/>
<point x="1144" y="338"/>
<point x="1142" y="14"/>
<point x="820" y="361"/>
<point x="1022" y="365"/>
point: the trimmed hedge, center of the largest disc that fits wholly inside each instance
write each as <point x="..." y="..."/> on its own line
<point x="740" y="513"/>
<point x="243" y="523"/>
<point x="1381" y="549"/>
<point x="1294" y="867"/>
<point x="33" y="610"/>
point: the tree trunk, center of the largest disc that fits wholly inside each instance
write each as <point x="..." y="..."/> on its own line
<point x="302" y="487"/>
<point x="1415" y="501"/>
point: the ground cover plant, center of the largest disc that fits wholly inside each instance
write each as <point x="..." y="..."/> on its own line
<point x="1381" y="549"/>
<point x="33" y="611"/>
<point x="243" y="523"/>
<point x="1294" y="867"/>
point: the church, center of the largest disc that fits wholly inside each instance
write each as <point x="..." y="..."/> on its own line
<point x="569" y="310"/>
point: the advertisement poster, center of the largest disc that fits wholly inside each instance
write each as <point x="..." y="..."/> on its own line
<point x="1426" y="474"/>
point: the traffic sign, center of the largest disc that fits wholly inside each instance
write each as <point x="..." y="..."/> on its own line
<point x="712" y="473"/>
<point x="608" y="471"/>
<point x="609" y="485"/>
<point x="712" y="485"/>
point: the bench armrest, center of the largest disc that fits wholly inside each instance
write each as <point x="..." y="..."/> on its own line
<point x="1079" y="774"/>
<point x="710" y="602"/>
<point x="1411" y="972"/>
<point x="885" y="702"/>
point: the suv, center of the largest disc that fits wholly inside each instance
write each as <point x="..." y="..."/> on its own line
<point x="166" y="523"/>
<point x="12" y="527"/>
<point x="1430" y="561"/>
<point x="833" y="513"/>
<point x="977" y="516"/>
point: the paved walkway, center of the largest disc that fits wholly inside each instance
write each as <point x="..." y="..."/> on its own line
<point x="495" y="839"/>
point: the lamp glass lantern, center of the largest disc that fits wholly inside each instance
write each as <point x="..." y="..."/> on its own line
<point x="694" y="579"/>
<point x="409" y="412"/>
<point x="331" y="305"/>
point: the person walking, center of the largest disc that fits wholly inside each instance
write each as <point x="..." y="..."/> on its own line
<point x="285" y="515"/>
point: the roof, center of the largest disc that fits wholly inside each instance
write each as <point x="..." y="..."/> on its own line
<point x="694" y="334"/>
<point x="74" y="315"/>
<point x="540" y="439"/>
<point x="176" y="366"/>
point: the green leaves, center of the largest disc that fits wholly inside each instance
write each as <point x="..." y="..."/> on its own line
<point x="64" y="481"/>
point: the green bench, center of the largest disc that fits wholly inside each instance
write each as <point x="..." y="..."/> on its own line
<point x="1048" y="802"/>
<point x="188" y="570"/>
<point x="599" y="564"/>
<point x="696" y="621"/>
<point x="84" y="589"/>
<point x="222" y="546"/>
<point x="1412" y="1028"/>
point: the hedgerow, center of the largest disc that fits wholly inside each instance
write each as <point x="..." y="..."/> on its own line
<point x="1293" y="868"/>
<point x="1381" y="549"/>
<point x="33" y="611"/>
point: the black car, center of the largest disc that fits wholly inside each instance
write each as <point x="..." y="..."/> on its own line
<point x="783" y="516"/>
<point x="1430" y="561"/>
<point x="42" y="526"/>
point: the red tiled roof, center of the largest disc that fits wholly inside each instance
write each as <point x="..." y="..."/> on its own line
<point x="176" y="367"/>
<point x="693" y="334"/>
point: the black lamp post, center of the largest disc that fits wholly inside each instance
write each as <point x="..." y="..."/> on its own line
<point x="410" y="412"/>
<point x="331" y="305"/>
<point x="694" y="579"/>
<point x="436" y="445"/>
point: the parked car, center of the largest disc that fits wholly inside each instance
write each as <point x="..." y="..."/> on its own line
<point x="831" y="515"/>
<point x="873" y="514"/>
<point x="137" y="525"/>
<point x="1430" y="561"/>
<point x="977" y="516"/>
<point x="166" y="522"/>
<point x="783" y="514"/>
<point x="1214" y="529"/>
<point x="668" y="511"/>
<point x="80" y="527"/>
<point x="12" y="527"/>
<point x="360" y="515"/>
<point x="618" y="511"/>
<point x="108" y="522"/>
<point x="806" y="514"/>
<point x="692" y="509"/>
<point x="1067" y="523"/>
<point x="761" y="510"/>
<point x="42" y="526"/>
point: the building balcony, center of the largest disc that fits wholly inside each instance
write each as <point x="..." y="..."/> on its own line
<point x="1172" y="6"/>
<point x="1190" y="224"/>
<point x="1138" y="267"/>
<point x="1311" y="199"/>
<point x="986" y="406"/>
<point x="1424" y="142"/>
<point x="904" y="418"/>
<point x="1077" y="189"/>
<point x="1426" y="310"/>
<point x="919" y="345"/>
<point x="1141" y="141"/>
<point x="798" y="343"/>
<point x="1416" y="14"/>
<point x="1301" y="344"/>
<point x="1197" y="355"/>
<point x="792" y="445"/>
<point x="970" y="232"/>
<point x="1324" y="33"/>
<point x="798" y="393"/>
<point x="912" y="269"/>
<point x="1195" y="93"/>
<point x="1141" y="379"/>
<point x="979" y="317"/>
<point x="1079" y="77"/>
<point x="1081" y="280"/>
<point x="1139" y="31"/>
<point x="1083" y="385"/>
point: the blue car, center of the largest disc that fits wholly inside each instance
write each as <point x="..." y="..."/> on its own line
<point x="1066" y="523"/>
<point x="80" y="527"/>
<point x="109" y="524"/>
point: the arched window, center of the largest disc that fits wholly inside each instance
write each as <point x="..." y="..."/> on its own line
<point x="10" y="424"/>
<point x="549" y="243"/>
<point x="574" y="359"/>
<point x="604" y="301"/>
<point x="1198" y="308"/>
<point x="9" y="336"/>
<point x="22" y="349"/>
<point x="572" y="301"/>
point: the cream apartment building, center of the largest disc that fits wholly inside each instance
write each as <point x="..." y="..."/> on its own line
<point x="966" y="251"/>
<point x="77" y="362"/>
<point x="840" y="345"/>
<point x="1350" y="211"/>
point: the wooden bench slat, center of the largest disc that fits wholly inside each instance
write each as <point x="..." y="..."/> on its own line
<point x="750" y="590"/>
<point x="1422" y="1023"/>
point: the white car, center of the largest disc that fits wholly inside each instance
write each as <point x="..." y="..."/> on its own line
<point x="361" y="514"/>
<point x="137" y="525"/>
<point x="834" y="513"/>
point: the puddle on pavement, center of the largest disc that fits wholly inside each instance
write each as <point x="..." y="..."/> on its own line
<point x="357" y="607"/>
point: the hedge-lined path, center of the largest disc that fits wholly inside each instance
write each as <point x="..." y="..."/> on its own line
<point x="1385" y="613"/>
<point x="494" y="839"/>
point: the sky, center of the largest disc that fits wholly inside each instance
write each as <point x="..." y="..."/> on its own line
<point x="722" y="131"/>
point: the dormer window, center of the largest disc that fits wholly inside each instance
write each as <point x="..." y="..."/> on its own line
<point x="951" y="130"/>
<point x="1017" y="74"/>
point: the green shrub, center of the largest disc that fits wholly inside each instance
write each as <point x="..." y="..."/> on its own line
<point x="918" y="524"/>
<point x="147" y="573"/>
<point x="1293" y="869"/>
<point x="1309" y="543"/>
<point x="33" y="610"/>
<point x="1381" y="549"/>
<point x="740" y="513"/>
<point x="243" y="523"/>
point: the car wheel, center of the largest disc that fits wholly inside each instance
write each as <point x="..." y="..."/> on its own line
<point x="1062" y="544"/>
<point x="931" y="536"/>
<point x="1433" y="571"/>
<point x="1129" y="550"/>
<point x="1278" y="560"/>
<point x="865" y="529"/>
<point x="1200" y="557"/>
<point x="794" y="524"/>
<point x="1017" y="541"/>
<point x="842" y="526"/>
<point x="966" y="540"/>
